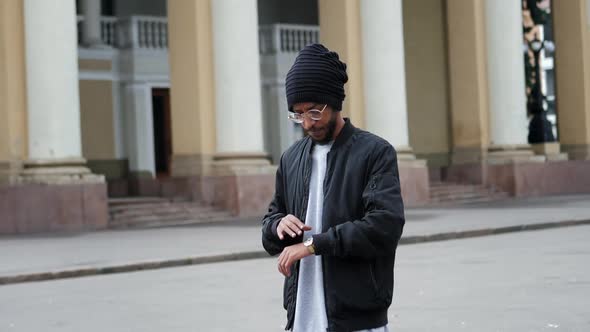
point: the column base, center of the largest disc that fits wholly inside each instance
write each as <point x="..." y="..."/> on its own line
<point x="414" y="178"/>
<point x="50" y="196"/>
<point x="506" y="154"/>
<point x="467" y="155"/>
<point x="470" y="165"/>
<point x="551" y="151"/>
<point x="9" y="172"/>
<point x="184" y="165"/>
<point x="523" y="174"/>
<point x="240" y="183"/>
<point x="58" y="172"/>
<point x="577" y="151"/>
<point x="33" y="208"/>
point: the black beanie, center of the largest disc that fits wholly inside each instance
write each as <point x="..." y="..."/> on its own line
<point x="317" y="76"/>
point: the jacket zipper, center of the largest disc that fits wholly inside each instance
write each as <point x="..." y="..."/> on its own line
<point x="323" y="227"/>
<point x="306" y="179"/>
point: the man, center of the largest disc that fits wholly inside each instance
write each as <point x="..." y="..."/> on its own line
<point x="337" y="213"/>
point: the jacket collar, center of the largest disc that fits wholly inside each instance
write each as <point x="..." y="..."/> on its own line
<point x="340" y="140"/>
<point x="344" y="134"/>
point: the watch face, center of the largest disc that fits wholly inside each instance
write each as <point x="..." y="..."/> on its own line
<point x="308" y="242"/>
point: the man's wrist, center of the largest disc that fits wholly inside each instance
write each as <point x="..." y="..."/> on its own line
<point x="309" y="245"/>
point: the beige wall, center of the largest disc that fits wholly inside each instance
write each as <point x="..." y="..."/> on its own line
<point x="191" y="78"/>
<point x="96" y="117"/>
<point x="467" y="79"/>
<point x="91" y="64"/>
<point x="340" y="32"/>
<point x="426" y="76"/>
<point x="572" y="69"/>
<point x="13" y="133"/>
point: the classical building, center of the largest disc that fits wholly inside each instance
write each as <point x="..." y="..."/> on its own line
<point x="184" y="99"/>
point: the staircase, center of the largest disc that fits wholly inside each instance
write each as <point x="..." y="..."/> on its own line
<point x="135" y="212"/>
<point x="447" y="193"/>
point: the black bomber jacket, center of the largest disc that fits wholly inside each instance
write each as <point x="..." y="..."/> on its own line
<point x="363" y="219"/>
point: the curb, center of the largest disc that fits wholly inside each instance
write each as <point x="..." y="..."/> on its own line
<point x="197" y="260"/>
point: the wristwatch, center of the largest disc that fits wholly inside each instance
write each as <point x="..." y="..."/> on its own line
<point x="309" y="244"/>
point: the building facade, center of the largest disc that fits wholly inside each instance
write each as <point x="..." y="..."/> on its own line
<point x="185" y="98"/>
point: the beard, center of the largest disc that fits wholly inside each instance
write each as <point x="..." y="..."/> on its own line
<point x="330" y="128"/>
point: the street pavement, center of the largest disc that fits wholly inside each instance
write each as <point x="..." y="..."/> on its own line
<point x="39" y="254"/>
<point x="519" y="282"/>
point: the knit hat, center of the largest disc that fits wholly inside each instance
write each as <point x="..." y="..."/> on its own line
<point x="317" y="76"/>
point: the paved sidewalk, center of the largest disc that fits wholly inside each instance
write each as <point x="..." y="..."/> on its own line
<point x="50" y="256"/>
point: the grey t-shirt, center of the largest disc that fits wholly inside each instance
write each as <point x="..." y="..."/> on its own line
<point x="310" y="311"/>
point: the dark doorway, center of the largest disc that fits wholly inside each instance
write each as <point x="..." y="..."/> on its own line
<point x="162" y="131"/>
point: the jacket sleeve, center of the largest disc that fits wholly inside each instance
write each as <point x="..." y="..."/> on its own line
<point x="276" y="211"/>
<point x="379" y="231"/>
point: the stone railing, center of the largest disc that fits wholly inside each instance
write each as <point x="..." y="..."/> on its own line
<point x="286" y="38"/>
<point x="108" y="30"/>
<point x="149" y="32"/>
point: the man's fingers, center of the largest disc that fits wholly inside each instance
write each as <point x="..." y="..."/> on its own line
<point x="294" y="220"/>
<point x="290" y="228"/>
<point x="282" y="268"/>
<point x="284" y="265"/>
<point x="299" y="225"/>
<point x="280" y="265"/>
<point x="280" y="231"/>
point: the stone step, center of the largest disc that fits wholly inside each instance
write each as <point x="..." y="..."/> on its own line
<point x="170" y="215"/>
<point x="171" y="221"/>
<point x="163" y="208"/>
<point x="136" y="200"/>
<point x="159" y="212"/>
<point x="167" y="215"/>
<point x="471" y="195"/>
<point x="460" y="192"/>
<point x="458" y="187"/>
<point x="460" y="196"/>
<point x="494" y="198"/>
<point x="443" y="193"/>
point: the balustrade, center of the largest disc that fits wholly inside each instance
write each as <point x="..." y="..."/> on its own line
<point x="286" y="38"/>
<point x="151" y="32"/>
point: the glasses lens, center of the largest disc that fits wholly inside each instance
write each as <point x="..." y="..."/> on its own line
<point x="315" y="114"/>
<point x="295" y="117"/>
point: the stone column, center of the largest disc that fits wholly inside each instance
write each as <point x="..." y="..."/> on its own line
<point x="53" y="103"/>
<point x="13" y="132"/>
<point x="216" y="103"/>
<point x="237" y="77"/>
<point x="340" y="31"/>
<point x="506" y="82"/>
<point x="91" y="10"/>
<point x="571" y="21"/>
<point x="384" y="78"/>
<point x="240" y="157"/>
<point x="53" y="191"/>
<point x="384" y="72"/>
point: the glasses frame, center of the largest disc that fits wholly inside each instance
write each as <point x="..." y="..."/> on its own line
<point x="300" y="117"/>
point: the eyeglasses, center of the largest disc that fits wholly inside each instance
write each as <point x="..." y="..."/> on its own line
<point x="313" y="114"/>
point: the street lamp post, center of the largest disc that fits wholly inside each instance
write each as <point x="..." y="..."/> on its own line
<point x="540" y="129"/>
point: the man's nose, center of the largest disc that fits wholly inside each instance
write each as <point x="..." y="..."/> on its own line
<point x="307" y="123"/>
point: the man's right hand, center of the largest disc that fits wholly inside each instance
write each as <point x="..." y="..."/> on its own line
<point x="291" y="225"/>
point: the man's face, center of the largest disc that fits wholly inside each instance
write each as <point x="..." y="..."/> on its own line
<point x="322" y="130"/>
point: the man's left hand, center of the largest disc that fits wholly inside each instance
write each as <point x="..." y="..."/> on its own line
<point x="290" y="255"/>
